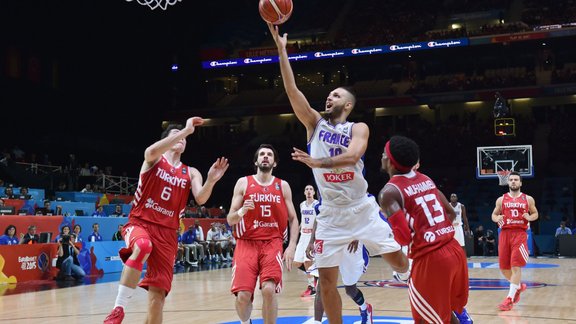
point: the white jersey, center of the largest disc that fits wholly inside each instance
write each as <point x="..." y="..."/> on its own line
<point x="308" y="215"/>
<point x="336" y="186"/>
<point x="458" y="211"/>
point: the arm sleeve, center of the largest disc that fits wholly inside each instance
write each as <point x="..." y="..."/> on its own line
<point x="400" y="227"/>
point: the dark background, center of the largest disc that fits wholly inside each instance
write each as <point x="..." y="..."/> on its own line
<point x="94" y="77"/>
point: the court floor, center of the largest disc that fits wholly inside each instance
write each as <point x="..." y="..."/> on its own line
<point x="204" y="297"/>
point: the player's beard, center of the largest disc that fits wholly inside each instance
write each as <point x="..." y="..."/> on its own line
<point x="265" y="168"/>
<point x="517" y="189"/>
<point x="336" y="112"/>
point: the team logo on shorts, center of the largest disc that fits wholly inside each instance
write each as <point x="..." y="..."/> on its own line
<point x="318" y="246"/>
<point x="429" y="237"/>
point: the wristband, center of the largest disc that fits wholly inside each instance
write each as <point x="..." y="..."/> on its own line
<point x="241" y="212"/>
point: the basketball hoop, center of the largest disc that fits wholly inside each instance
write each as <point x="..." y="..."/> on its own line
<point x="153" y="4"/>
<point x="503" y="177"/>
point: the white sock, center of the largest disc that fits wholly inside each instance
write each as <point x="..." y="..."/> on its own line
<point x="124" y="294"/>
<point x="363" y="306"/>
<point x="513" y="289"/>
<point x="311" y="281"/>
<point x="246" y="322"/>
<point x="404" y="275"/>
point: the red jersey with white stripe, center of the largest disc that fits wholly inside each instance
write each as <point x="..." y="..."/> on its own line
<point x="162" y="194"/>
<point x="426" y="216"/>
<point x="513" y="208"/>
<point x="269" y="218"/>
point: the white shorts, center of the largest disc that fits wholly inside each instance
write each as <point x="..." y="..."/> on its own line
<point x="459" y="234"/>
<point x="353" y="266"/>
<point x="338" y="226"/>
<point x="300" y="255"/>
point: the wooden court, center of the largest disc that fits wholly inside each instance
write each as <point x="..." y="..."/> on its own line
<point x="203" y="297"/>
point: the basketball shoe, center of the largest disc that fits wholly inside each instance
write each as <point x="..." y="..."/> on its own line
<point x="366" y="315"/>
<point x="518" y="292"/>
<point x="464" y="317"/>
<point x="507" y="304"/>
<point x="309" y="292"/>
<point x="116" y="316"/>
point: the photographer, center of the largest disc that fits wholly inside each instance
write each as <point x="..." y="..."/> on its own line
<point x="68" y="259"/>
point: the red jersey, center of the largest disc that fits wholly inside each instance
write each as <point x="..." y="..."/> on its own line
<point x="162" y="194"/>
<point x="513" y="209"/>
<point x="269" y="218"/>
<point x="426" y="216"/>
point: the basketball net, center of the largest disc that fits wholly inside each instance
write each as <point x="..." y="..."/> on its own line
<point x="503" y="177"/>
<point x="153" y="4"/>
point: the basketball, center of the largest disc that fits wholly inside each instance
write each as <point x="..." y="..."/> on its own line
<point x="275" y="11"/>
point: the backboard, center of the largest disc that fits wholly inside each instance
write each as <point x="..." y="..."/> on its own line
<point x="491" y="159"/>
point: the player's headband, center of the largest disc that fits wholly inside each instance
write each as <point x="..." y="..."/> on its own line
<point x="395" y="163"/>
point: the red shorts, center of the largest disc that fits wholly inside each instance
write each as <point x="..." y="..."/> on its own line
<point x="439" y="284"/>
<point x="160" y="263"/>
<point x="253" y="259"/>
<point x="512" y="248"/>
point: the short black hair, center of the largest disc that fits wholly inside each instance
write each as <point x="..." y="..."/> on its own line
<point x="268" y="146"/>
<point x="405" y="151"/>
<point x="516" y="173"/>
<point x="169" y="128"/>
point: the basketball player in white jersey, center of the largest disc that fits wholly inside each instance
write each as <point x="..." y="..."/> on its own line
<point x="460" y="221"/>
<point x="348" y="212"/>
<point x="307" y="218"/>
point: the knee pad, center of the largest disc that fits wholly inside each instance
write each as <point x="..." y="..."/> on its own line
<point x="145" y="247"/>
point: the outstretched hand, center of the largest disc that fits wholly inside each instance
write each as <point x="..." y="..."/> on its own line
<point x="192" y="122"/>
<point x="301" y="156"/>
<point x="280" y="41"/>
<point x="218" y="169"/>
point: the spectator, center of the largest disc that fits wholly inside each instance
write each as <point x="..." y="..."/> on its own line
<point x="87" y="188"/>
<point x="77" y="232"/>
<point x="95" y="236"/>
<point x="8" y="193"/>
<point x="489" y="244"/>
<point x="190" y="246"/>
<point x="24" y="195"/>
<point x="58" y="210"/>
<point x="65" y="230"/>
<point x="203" y="213"/>
<point x="561" y="230"/>
<point x="46" y="210"/>
<point x="214" y="238"/>
<point x="31" y="237"/>
<point x="99" y="212"/>
<point x="200" y="240"/>
<point x="479" y="240"/>
<point x="118" y="235"/>
<point x="67" y="262"/>
<point x="228" y="243"/>
<point x="118" y="212"/>
<point x="9" y="237"/>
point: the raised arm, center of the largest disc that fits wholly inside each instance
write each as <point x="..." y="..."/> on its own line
<point x="292" y="223"/>
<point x="155" y="151"/>
<point x="356" y="150"/>
<point x="305" y="113"/>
